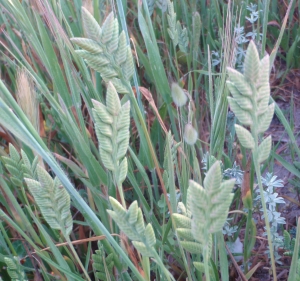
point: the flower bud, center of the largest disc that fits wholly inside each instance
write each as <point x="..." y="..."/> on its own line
<point x="178" y="95"/>
<point x="190" y="134"/>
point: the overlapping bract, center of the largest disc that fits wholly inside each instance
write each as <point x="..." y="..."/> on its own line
<point x="19" y="167"/>
<point x="14" y="269"/>
<point x="250" y="100"/>
<point x="102" y="264"/>
<point x="183" y="223"/>
<point x="205" y="214"/>
<point x="53" y="201"/>
<point x="172" y="29"/>
<point x="177" y="33"/>
<point x="208" y="207"/>
<point x="131" y="222"/>
<point x="50" y="196"/>
<point x="106" y="51"/>
<point x="112" y="128"/>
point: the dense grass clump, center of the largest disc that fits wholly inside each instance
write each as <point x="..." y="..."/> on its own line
<point x="137" y="140"/>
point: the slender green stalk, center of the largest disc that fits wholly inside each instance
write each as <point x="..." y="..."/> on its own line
<point x="265" y="26"/>
<point x="7" y="240"/>
<point x="176" y="62"/>
<point x="255" y="153"/>
<point x="295" y="260"/>
<point x="150" y="146"/>
<point x="210" y="93"/>
<point x="162" y="267"/>
<point x="249" y="218"/>
<point x="77" y="258"/>
<point x="258" y="174"/>
<point x="124" y="27"/>
<point x="23" y="223"/>
<point x="206" y="260"/>
<point x="146" y="267"/>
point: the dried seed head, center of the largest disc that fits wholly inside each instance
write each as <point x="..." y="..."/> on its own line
<point x="178" y="95"/>
<point x="88" y="4"/>
<point x="27" y="97"/>
<point x="190" y="134"/>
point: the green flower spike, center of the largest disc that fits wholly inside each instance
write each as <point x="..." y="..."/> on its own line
<point x="250" y="103"/>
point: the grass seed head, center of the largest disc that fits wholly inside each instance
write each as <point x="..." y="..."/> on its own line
<point x="190" y="134"/>
<point x="178" y="95"/>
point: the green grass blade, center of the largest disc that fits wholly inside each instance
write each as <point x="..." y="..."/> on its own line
<point x="286" y="126"/>
<point x="158" y="72"/>
<point x="294" y="275"/>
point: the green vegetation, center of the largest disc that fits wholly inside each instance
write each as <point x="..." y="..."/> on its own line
<point x="135" y="140"/>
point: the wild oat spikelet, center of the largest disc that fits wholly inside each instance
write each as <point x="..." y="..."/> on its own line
<point x="190" y="134"/>
<point x="178" y="95"/>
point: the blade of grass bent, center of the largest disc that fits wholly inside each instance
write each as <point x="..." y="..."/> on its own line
<point x="291" y="168"/>
<point x="286" y="126"/>
<point x="275" y="49"/>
